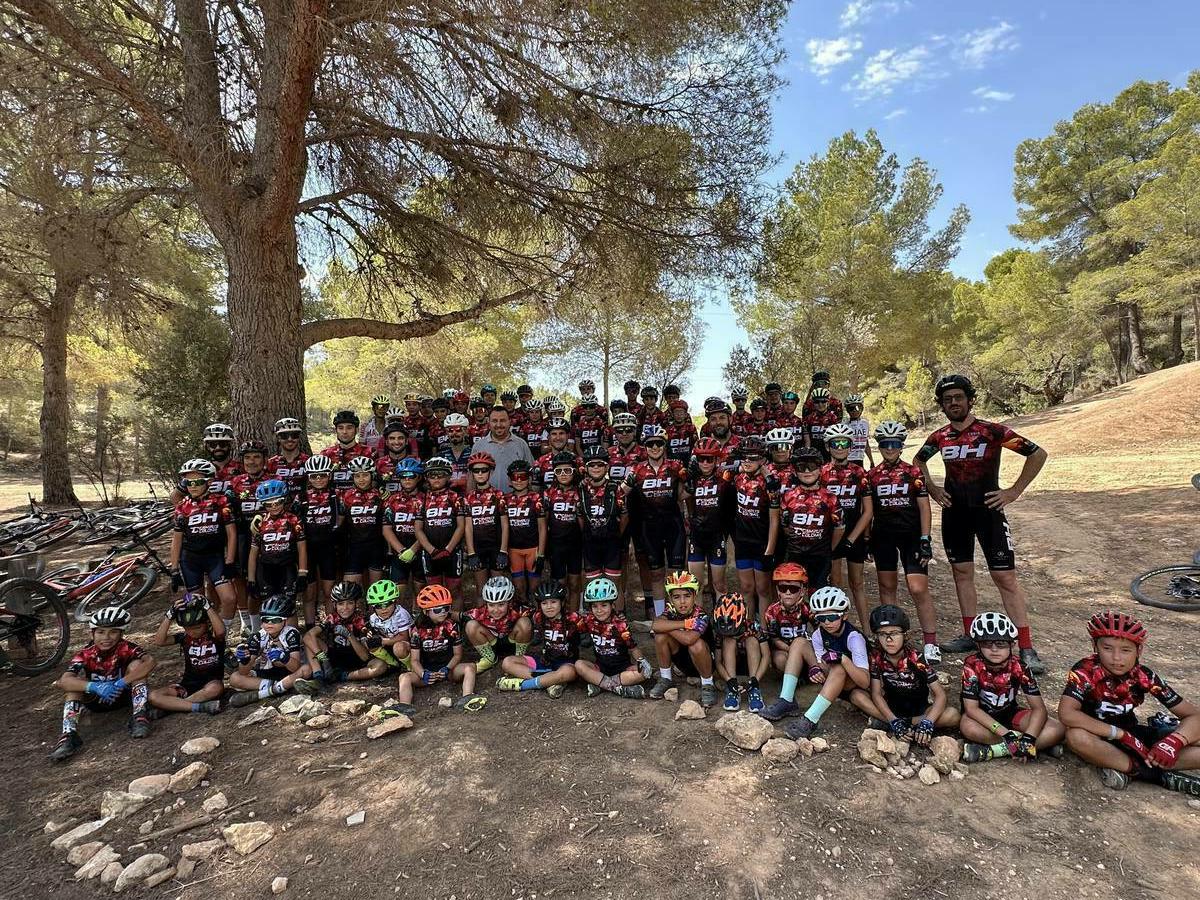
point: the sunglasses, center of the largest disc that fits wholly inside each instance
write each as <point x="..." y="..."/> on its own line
<point x="480" y="470"/>
<point x="753" y="457"/>
<point x="437" y="474"/>
<point x="596" y="464"/>
<point x="624" y="430"/>
<point x="840" y="443"/>
<point x="789" y="588"/>
<point x="828" y="617"/>
<point x="289" y="435"/>
<point x="195" y="482"/>
<point x="519" y="476"/>
<point x="564" y="470"/>
<point x="438" y="610"/>
<point x="273" y="620"/>
<point x="891" y="445"/>
<point x="275" y="504"/>
<point x="889" y="635"/>
<point x="808" y="467"/>
<point x="650" y="444"/>
<point x="404" y="476"/>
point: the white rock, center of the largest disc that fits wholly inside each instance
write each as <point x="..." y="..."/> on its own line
<point x="311" y="710"/>
<point x="805" y="747"/>
<point x="94" y="866"/>
<point x="78" y="835"/>
<point x="945" y="751"/>
<point x="1194" y="804"/>
<point x="443" y="703"/>
<point x="928" y="775"/>
<point x="322" y="721"/>
<point x="185" y="868"/>
<point x="956" y="775"/>
<point x="189" y="777"/>
<point x="389" y="725"/>
<point x="779" y="750"/>
<point x="215" y="803"/>
<point x="819" y="745"/>
<point x="202" y="849"/>
<point x="198" y="746"/>
<point x="745" y="729"/>
<point x="356" y="818"/>
<point x="119" y="804"/>
<point x="689" y="709"/>
<point x="111" y="873"/>
<point x="246" y="837"/>
<point x="159" y="877"/>
<point x="868" y="748"/>
<point x="293" y="704"/>
<point x="139" y="870"/>
<point x="885" y="744"/>
<point x="52" y="827"/>
<point x="671" y="695"/>
<point x="348" y="707"/>
<point x="150" y="786"/>
<point x="262" y="714"/>
<point x="279" y="885"/>
<point x="81" y="853"/>
<point x="907" y="771"/>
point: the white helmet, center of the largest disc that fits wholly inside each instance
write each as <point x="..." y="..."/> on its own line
<point x="654" y="433"/>
<point x="361" y="464"/>
<point x="624" y="420"/>
<point x="110" y="617"/>
<point x="448" y="393"/>
<point x="558" y="423"/>
<point x="286" y="424"/>
<point x="854" y="400"/>
<point x="993" y="626"/>
<point x="780" y="437"/>
<point x="889" y="430"/>
<point x="532" y="405"/>
<point x="739" y="392"/>
<point x="218" y="431"/>
<point x="393" y="413"/>
<point x="828" y="599"/>
<point x="498" y="590"/>
<point x="838" y="430"/>
<point x="318" y="463"/>
<point x="202" y="466"/>
<point x="456" y="419"/>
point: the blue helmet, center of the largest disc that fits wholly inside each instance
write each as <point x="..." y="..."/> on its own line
<point x="409" y="465"/>
<point x="271" y="489"/>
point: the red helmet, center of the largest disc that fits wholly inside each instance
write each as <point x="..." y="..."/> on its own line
<point x="480" y="458"/>
<point x="678" y="404"/>
<point x="460" y="397"/>
<point x="1116" y="624"/>
<point x="708" y="447"/>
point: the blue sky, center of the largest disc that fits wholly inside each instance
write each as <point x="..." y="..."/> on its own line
<point x="959" y="84"/>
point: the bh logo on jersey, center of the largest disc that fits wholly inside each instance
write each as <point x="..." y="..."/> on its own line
<point x="438" y="512"/>
<point x="748" y="500"/>
<point x="563" y="508"/>
<point x="274" y="537"/>
<point x="808" y="520"/>
<point x="998" y="700"/>
<point x="359" y="510"/>
<point x="1106" y="708"/>
<point x="197" y="519"/>
<point x="480" y="512"/>
<point x="957" y="451"/>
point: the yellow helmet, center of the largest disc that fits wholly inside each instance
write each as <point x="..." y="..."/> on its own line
<point x="678" y="581"/>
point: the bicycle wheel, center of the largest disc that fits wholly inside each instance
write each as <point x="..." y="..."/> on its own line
<point x="123" y="592"/>
<point x="35" y="630"/>
<point x="48" y="537"/>
<point x="1169" y="587"/>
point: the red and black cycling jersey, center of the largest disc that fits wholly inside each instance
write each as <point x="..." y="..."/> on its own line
<point x="364" y="515"/>
<point x="460" y="477"/>
<point x="486" y="508"/>
<point x="226" y="472"/>
<point x="355" y="624"/>
<point x="400" y="513"/>
<point x="815" y="424"/>
<point x="291" y="473"/>
<point x="93" y="664"/>
<point x="478" y="429"/>
<point x="905" y="679"/>
<point x="708" y="502"/>
<point x="559" y="637"/>
<point x="535" y="434"/>
<point x="243" y="496"/>
<point x="835" y="406"/>
<point x="785" y="624"/>
<point x="562" y="512"/>
<point x="438" y="514"/>
<point x="580" y="412"/>
<point x="621" y="460"/>
<point x="655" y="492"/>
<point x="417" y="427"/>
<point x="318" y="512"/>
<point x="681" y="438"/>
<point x="995" y="689"/>
<point x="202" y="523"/>
<point x="517" y="417"/>
<point x="341" y="456"/>
<point x="792" y="421"/>
<point x="203" y="657"/>
<point x="755" y="496"/>
<point x="590" y="431"/>
<point x="500" y="627"/>
<point x="1114" y="698"/>
<point x="809" y="518"/>
<point x="385" y="471"/>
<point x="738" y="423"/>
<point x="756" y="425"/>
<point x="435" y="643"/>
<point x="848" y="483"/>
<point x="436" y="438"/>
<point x="600" y="509"/>
<point x="524" y="512"/>
<point x="972" y="457"/>
<point x="279" y="537"/>
<point x="544" y="467"/>
<point x="611" y="640"/>
<point x="894" y="489"/>
<point x="784" y="473"/>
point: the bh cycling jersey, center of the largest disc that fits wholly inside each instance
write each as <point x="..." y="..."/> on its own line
<point x="894" y="489"/>
<point x="611" y="640"/>
<point x="341" y="455"/>
<point x="562" y="512"/>
<point x="318" y="512"/>
<point x="93" y="664"/>
<point x="544" y="467"/>
<point x="601" y="509"/>
<point x="438" y="514"/>
<point x="995" y="688"/>
<point x="809" y="518"/>
<point x="203" y="658"/>
<point x="655" y="492"/>
<point x="708" y="499"/>
<point x="386" y="472"/>
<point x="417" y="427"/>
<point x="972" y="457"/>
<point x="226" y="472"/>
<point x="524" y="512"/>
<point x="364" y="515"/>
<point x="681" y="438"/>
<point x="785" y="624"/>
<point x="784" y="473"/>
<point x="905" y="680"/>
<point x="622" y="459"/>
<point x="649" y="417"/>
<point x="290" y="472"/>
<point x="815" y="424"/>
<point x="835" y="406"/>
<point x="1113" y="699"/>
<point x="400" y="514"/>
<point x="502" y="626"/>
<point x="756" y="495"/>
<point x="536" y="435"/>
<point x="436" y="643"/>
<point x="559" y="638"/>
<point x="485" y="508"/>
<point x="202" y="523"/>
<point x="848" y="483"/>
<point x="739" y="423"/>
<point x="278" y="539"/>
<point x="590" y="431"/>
<point x="244" y="499"/>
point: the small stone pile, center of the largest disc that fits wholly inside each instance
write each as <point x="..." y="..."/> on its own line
<point x="749" y="731"/>
<point x="897" y="758"/>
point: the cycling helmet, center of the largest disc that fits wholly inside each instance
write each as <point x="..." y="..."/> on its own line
<point x="819" y="394"/>
<point x="772" y="386"/>
<point x="678" y="404"/>
<point x="624" y="420"/>
<point x="409" y="466"/>
<point x="551" y="401"/>
<point x="710" y="402"/>
<point x="819" y="376"/>
<point x="559" y="425"/>
<point x="828" y="600"/>
<point x="218" y="432"/>
<point x="110" y="617"/>
<point x="889" y="616"/>
<point x="654" y="433"/>
<point x="550" y="589"/>
<point x="838" y="430"/>
<point x="721" y="407"/>
<point x="448" y="393"/>
<point x="1116" y="624"/>
<point x="631" y="387"/>
<point x="587" y="386"/>
<point x="509" y="395"/>
<point x="412" y="397"/>
<point x="345" y="591"/>
<point x="395" y="428"/>
<point x="487" y="389"/>
<point x="394" y="414"/>
<point x="381" y="400"/>
<point x="524" y="389"/>
<point x="854" y="399"/>
<point x="739" y="392"/>
<point x="790" y="397"/>
<point x="589" y="400"/>
<point x="517" y="465"/>
<point x="890" y="431"/>
<point x="498" y="590"/>
<point x="434" y="596"/>
<point x="949" y="382"/>
<point x="729" y="616"/>
<point x="425" y="399"/>
<point x="649" y="391"/>
<point x="532" y="405"/>
<point x="456" y="419"/>
<point x="807" y="454"/>
<point x="752" y="445"/>
<point x="618" y="405"/>
<point x="993" y="626"/>
<point x="318" y="463"/>
<point x="671" y="390"/>
<point x="361" y="464"/>
<point x="563" y="458"/>
<point x="777" y="437"/>
<point x="707" y="448"/>
<point x="279" y="605"/>
<point x="345" y="417"/>
<point x="252" y="446"/>
<point x="271" y="489"/>
<point x="481" y="458"/>
<point x="382" y="593"/>
<point x="758" y="403"/>
<point x="190" y="612"/>
<point x="594" y="454"/>
<point x="200" y="466"/>
<point x="477" y="403"/>
<point x="460" y="397"/>
<point x="790" y="571"/>
<point x="682" y="580"/>
<point x="287" y="425"/>
<point x="600" y="590"/>
<point x="439" y="403"/>
<point x="438" y="465"/>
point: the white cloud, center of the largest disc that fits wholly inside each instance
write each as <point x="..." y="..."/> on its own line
<point x="975" y="49"/>
<point x="859" y="12"/>
<point x="888" y="69"/>
<point x="987" y="93"/>
<point x="825" y="55"/>
<point x="896" y="113"/>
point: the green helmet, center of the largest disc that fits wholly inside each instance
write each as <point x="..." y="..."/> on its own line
<point x="600" y="590"/>
<point x="382" y="593"/>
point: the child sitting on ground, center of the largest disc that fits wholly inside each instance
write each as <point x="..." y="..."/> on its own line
<point x="741" y="653"/>
<point x="558" y="634"/>
<point x="389" y="625"/>
<point x="202" y="643"/>
<point x="786" y="623"/>
<point x="683" y="639"/>
<point x="498" y="629"/>
<point x="904" y="687"/>
<point x="339" y="642"/>
<point x="272" y="661"/>
<point x="619" y="666"/>
<point x="436" y="654"/>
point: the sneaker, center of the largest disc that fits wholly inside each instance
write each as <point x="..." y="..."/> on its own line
<point x="309" y="687"/>
<point x="139" y="725"/>
<point x="660" y="688"/>
<point x="397" y="709"/>
<point x="68" y="745"/>
<point x="933" y="654"/>
<point x="780" y="709"/>
<point x="878" y="724"/>
<point x="732" y="702"/>
<point x="509" y="683"/>
<point x="1118" y="781"/>
<point x="1183" y="782"/>
<point x="1055" y="752"/>
<point x="973" y="753"/>
<point x="804" y="727"/>
<point x="212" y="707"/>
<point x="708" y="695"/>
<point x="754" y="700"/>
<point x="961" y="644"/>
<point x="471" y="702"/>
<point x="1032" y="661"/>
<point x="153" y="713"/>
<point x="631" y="691"/>
<point x="593" y="690"/>
<point x="555" y="691"/>
<point x="245" y="698"/>
<point x="484" y="664"/>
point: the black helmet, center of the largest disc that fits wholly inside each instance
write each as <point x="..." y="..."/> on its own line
<point x="252" y="446"/>
<point x="563" y="458"/>
<point x="632" y="387"/>
<point x="395" y="428"/>
<point x="345" y="417"/>
<point x="821" y="375"/>
<point x="509" y="395"/>
<point x="949" y="382"/>
<point x="618" y="405"/>
<point x="752" y="444"/>
<point x="594" y="453"/>
<point x="758" y="403"/>
<point x="517" y="465"/>
<point x="807" y="454"/>
<point x="278" y="605"/>
<point x="671" y="390"/>
<point x="524" y="389"/>
<point x="346" y="590"/>
<point x="550" y="589"/>
<point x="191" y="611"/>
<point x="887" y="616"/>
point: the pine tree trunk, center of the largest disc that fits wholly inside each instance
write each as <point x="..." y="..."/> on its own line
<point x="1137" y="342"/>
<point x="1196" y="328"/>
<point x="55" y="421"/>
<point x="266" y="360"/>
<point x="1176" y="341"/>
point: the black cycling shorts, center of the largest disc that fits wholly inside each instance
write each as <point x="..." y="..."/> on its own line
<point x="662" y="542"/>
<point x="322" y="559"/>
<point x="682" y="660"/>
<point x="565" y="556"/>
<point x="963" y="525"/>
<point x="487" y="557"/>
<point x="709" y="548"/>
<point x="907" y="704"/>
<point x="276" y="579"/>
<point x="858" y="550"/>
<point x="614" y="664"/>
<point x="893" y="550"/>
<point x="364" y="556"/>
<point x="448" y="567"/>
<point x="816" y="565"/>
<point x="196" y="567"/>
<point x="602" y="554"/>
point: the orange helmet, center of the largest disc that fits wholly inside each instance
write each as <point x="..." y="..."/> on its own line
<point x="707" y="448"/>
<point x="677" y="581"/>
<point x="1116" y="624"/>
<point x="432" y="596"/>
<point x="790" y="572"/>
<point x="729" y="616"/>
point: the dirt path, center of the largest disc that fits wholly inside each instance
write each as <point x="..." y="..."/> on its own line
<point x="612" y="798"/>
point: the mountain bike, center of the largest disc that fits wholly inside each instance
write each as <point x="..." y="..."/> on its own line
<point x="38" y="529"/>
<point x="35" y="629"/>
<point x="1175" y="587"/>
<point x="113" y="580"/>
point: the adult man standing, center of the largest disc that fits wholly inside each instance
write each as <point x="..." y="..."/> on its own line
<point x="973" y="507"/>
<point x="504" y="446"/>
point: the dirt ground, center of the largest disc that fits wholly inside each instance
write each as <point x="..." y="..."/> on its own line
<point x="612" y="798"/>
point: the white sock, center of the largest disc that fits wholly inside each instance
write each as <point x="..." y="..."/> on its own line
<point x="660" y="606"/>
<point x="255" y="622"/>
<point x="664" y="674"/>
<point x="228" y="626"/>
<point x="707" y="681"/>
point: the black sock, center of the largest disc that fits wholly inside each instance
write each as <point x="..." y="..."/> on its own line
<point x="753" y="682"/>
<point x="731" y="684"/>
<point x="1145" y="773"/>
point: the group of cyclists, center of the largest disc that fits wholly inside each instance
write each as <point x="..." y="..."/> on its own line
<point x="551" y="510"/>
